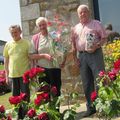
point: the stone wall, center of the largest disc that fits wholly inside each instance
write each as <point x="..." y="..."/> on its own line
<point x="32" y="9"/>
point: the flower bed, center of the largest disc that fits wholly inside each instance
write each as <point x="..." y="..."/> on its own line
<point x="107" y="98"/>
<point x="4" y="88"/>
<point x="44" y="103"/>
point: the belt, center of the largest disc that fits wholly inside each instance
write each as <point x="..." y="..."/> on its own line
<point x="82" y="51"/>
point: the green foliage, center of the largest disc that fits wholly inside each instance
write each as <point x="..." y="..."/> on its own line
<point x="108" y="100"/>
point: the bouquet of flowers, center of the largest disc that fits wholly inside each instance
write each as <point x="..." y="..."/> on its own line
<point x="59" y="33"/>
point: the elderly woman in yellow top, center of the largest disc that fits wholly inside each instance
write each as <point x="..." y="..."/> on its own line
<point x="16" y="62"/>
<point x="48" y="53"/>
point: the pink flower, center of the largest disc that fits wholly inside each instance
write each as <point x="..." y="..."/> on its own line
<point x="2" y="109"/>
<point x="31" y="113"/>
<point x="93" y="96"/>
<point x="2" y="81"/>
<point x="43" y="116"/>
<point x="101" y="73"/>
<point x="54" y="90"/>
<point x="2" y="73"/>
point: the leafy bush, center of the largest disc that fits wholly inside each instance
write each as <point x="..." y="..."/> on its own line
<point x="44" y="103"/>
<point x="107" y="98"/>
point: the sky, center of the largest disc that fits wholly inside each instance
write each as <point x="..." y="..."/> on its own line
<point x="109" y="13"/>
<point x="9" y="14"/>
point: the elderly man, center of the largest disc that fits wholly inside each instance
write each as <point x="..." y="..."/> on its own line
<point x="87" y="38"/>
<point x="16" y="62"/>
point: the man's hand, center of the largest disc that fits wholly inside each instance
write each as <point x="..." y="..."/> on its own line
<point x="77" y="61"/>
<point x="93" y="49"/>
<point x="7" y="80"/>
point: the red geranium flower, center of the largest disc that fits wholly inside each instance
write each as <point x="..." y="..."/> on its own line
<point x="45" y="96"/>
<point x="26" y="77"/>
<point x="93" y="96"/>
<point x="30" y="74"/>
<point x="2" y="109"/>
<point x="112" y="75"/>
<point x="15" y="100"/>
<point x="49" y="23"/>
<point x="54" y="90"/>
<point x="9" y="118"/>
<point x="117" y="64"/>
<point x="31" y="113"/>
<point x="43" y="116"/>
<point x="38" y="100"/>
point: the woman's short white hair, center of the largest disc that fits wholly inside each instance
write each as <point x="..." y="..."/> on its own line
<point x="40" y="19"/>
<point x="82" y="7"/>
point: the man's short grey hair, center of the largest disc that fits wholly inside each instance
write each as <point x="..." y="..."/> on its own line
<point x="40" y="19"/>
<point x="83" y="6"/>
<point x="15" y="27"/>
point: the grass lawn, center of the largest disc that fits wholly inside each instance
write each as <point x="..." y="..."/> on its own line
<point x="4" y="100"/>
<point x="1" y="67"/>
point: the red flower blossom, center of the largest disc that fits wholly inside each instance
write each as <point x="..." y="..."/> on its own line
<point x="49" y="23"/>
<point x="23" y="96"/>
<point x="26" y="77"/>
<point x="117" y="64"/>
<point x="40" y="70"/>
<point x="43" y="116"/>
<point x="9" y="118"/>
<point x="112" y="75"/>
<point x="2" y="109"/>
<point x="31" y="113"/>
<point x="45" y="96"/>
<point x="93" y="96"/>
<point x="30" y="74"/>
<point x="38" y="100"/>
<point x="15" y="100"/>
<point x="54" y="90"/>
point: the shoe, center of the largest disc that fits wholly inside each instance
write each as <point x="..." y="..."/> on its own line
<point x="89" y="113"/>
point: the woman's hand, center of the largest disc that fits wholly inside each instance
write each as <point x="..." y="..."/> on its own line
<point x="48" y="57"/>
